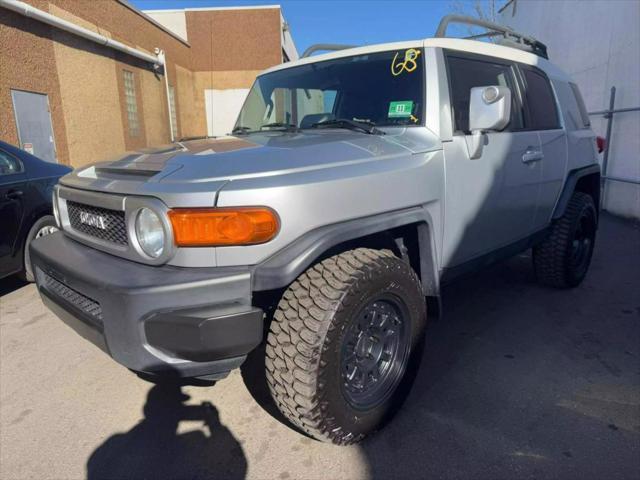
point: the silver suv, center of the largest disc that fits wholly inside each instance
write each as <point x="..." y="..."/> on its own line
<point x="354" y="185"/>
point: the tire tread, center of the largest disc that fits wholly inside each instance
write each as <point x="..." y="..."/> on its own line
<point x="550" y="257"/>
<point x="298" y="336"/>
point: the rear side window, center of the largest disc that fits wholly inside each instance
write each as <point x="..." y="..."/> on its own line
<point x="540" y="100"/>
<point x="466" y="73"/>
<point x="9" y="164"/>
<point x="586" y="122"/>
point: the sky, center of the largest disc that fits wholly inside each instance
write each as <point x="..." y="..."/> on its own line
<point x="352" y="22"/>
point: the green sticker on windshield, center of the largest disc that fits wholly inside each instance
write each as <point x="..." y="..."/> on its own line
<point x="400" y="109"/>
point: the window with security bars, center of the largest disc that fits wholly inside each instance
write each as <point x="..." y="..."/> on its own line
<point x="174" y="117"/>
<point x="131" y="103"/>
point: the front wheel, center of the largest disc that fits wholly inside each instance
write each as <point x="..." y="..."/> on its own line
<point x="345" y="343"/>
<point x="42" y="227"/>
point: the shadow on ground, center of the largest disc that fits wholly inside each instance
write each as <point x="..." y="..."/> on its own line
<point x="10" y="284"/>
<point x="154" y="448"/>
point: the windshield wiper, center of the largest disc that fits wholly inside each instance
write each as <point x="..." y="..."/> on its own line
<point x="365" y="126"/>
<point x="241" y="129"/>
<point x="282" y="125"/>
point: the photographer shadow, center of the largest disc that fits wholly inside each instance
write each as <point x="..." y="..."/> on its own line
<point x="154" y="449"/>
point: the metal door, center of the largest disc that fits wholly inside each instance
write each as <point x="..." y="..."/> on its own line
<point x="33" y="120"/>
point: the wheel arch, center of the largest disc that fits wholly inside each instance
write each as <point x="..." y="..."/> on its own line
<point x="586" y="180"/>
<point x="408" y="233"/>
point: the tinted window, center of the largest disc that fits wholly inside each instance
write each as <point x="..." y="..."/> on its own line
<point x="540" y="100"/>
<point x="583" y="110"/>
<point x="9" y="164"/>
<point x="467" y="73"/>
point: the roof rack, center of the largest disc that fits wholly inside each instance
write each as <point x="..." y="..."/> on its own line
<point x="324" y="46"/>
<point x="510" y="37"/>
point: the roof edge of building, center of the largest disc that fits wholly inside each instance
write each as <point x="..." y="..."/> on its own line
<point x="213" y="9"/>
<point x="142" y="14"/>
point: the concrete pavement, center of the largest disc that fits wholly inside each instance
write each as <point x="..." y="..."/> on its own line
<point x="518" y="381"/>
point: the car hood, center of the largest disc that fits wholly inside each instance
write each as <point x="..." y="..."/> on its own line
<point x="206" y="165"/>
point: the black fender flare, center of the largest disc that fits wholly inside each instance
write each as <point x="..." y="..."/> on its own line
<point x="570" y="185"/>
<point x="282" y="268"/>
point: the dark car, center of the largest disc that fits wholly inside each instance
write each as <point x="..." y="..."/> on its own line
<point x="26" y="183"/>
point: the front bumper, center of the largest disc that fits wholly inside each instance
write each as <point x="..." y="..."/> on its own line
<point x="182" y="322"/>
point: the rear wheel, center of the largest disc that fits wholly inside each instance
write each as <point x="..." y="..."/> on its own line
<point x="42" y="227"/>
<point x="344" y="344"/>
<point x="563" y="259"/>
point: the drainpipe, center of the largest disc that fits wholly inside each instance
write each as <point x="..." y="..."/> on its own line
<point x="27" y="10"/>
<point x="163" y="59"/>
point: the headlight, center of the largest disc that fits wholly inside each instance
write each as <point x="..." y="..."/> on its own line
<point x="150" y="233"/>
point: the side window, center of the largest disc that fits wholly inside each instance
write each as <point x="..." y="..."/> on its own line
<point x="540" y="100"/>
<point x="9" y="164"/>
<point x="586" y="122"/>
<point x="466" y="73"/>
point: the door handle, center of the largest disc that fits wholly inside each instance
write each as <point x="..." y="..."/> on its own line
<point x="13" y="194"/>
<point x="532" y="156"/>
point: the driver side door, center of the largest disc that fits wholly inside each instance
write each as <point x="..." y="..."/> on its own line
<point x="491" y="201"/>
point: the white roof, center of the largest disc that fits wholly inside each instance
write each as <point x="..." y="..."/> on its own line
<point x="471" y="46"/>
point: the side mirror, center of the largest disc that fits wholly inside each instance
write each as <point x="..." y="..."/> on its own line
<point x="489" y="110"/>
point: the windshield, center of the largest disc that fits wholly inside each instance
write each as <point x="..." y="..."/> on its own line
<point x="381" y="89"/>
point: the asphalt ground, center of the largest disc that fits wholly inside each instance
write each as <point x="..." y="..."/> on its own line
<point x="518" y="381"/>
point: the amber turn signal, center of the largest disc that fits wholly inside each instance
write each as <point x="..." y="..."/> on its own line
<point x="199" y="227"/>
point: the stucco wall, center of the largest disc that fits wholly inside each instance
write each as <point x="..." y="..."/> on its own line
<point x="222" y="80"/>
<point x="598" y="44"/>
<point x="89" y="92"/>
<point x="27" y="61"/>
<point x="234" y="39"/>
<point x="84" y="81"/>
<point x="155" y="107"/>
<point x="191" y="117"/>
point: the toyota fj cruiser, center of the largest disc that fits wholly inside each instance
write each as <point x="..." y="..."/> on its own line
<point x="354" y="184"/>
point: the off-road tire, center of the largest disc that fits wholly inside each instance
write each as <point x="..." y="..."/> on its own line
<point x="44" y="221"/>
<point x="554" y="264"/>
<point x="303" y="367"/>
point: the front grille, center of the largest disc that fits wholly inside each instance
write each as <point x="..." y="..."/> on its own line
<point x="115" y="230"/>
<point x="69" y="295"/>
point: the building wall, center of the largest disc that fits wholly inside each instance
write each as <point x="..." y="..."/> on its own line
<point x="227" y="100"/>
<point x="85" y="81"/>
<point x="598" y="44"/>
<point x="30" y="72"/>
<point x="155" y="108"/>
<point x="226" y="59"/>
<point x="191" y="119"/>
<point x="174" y="20"/>
<point x="239" y="39"/>
<point x="230" y="47"/>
